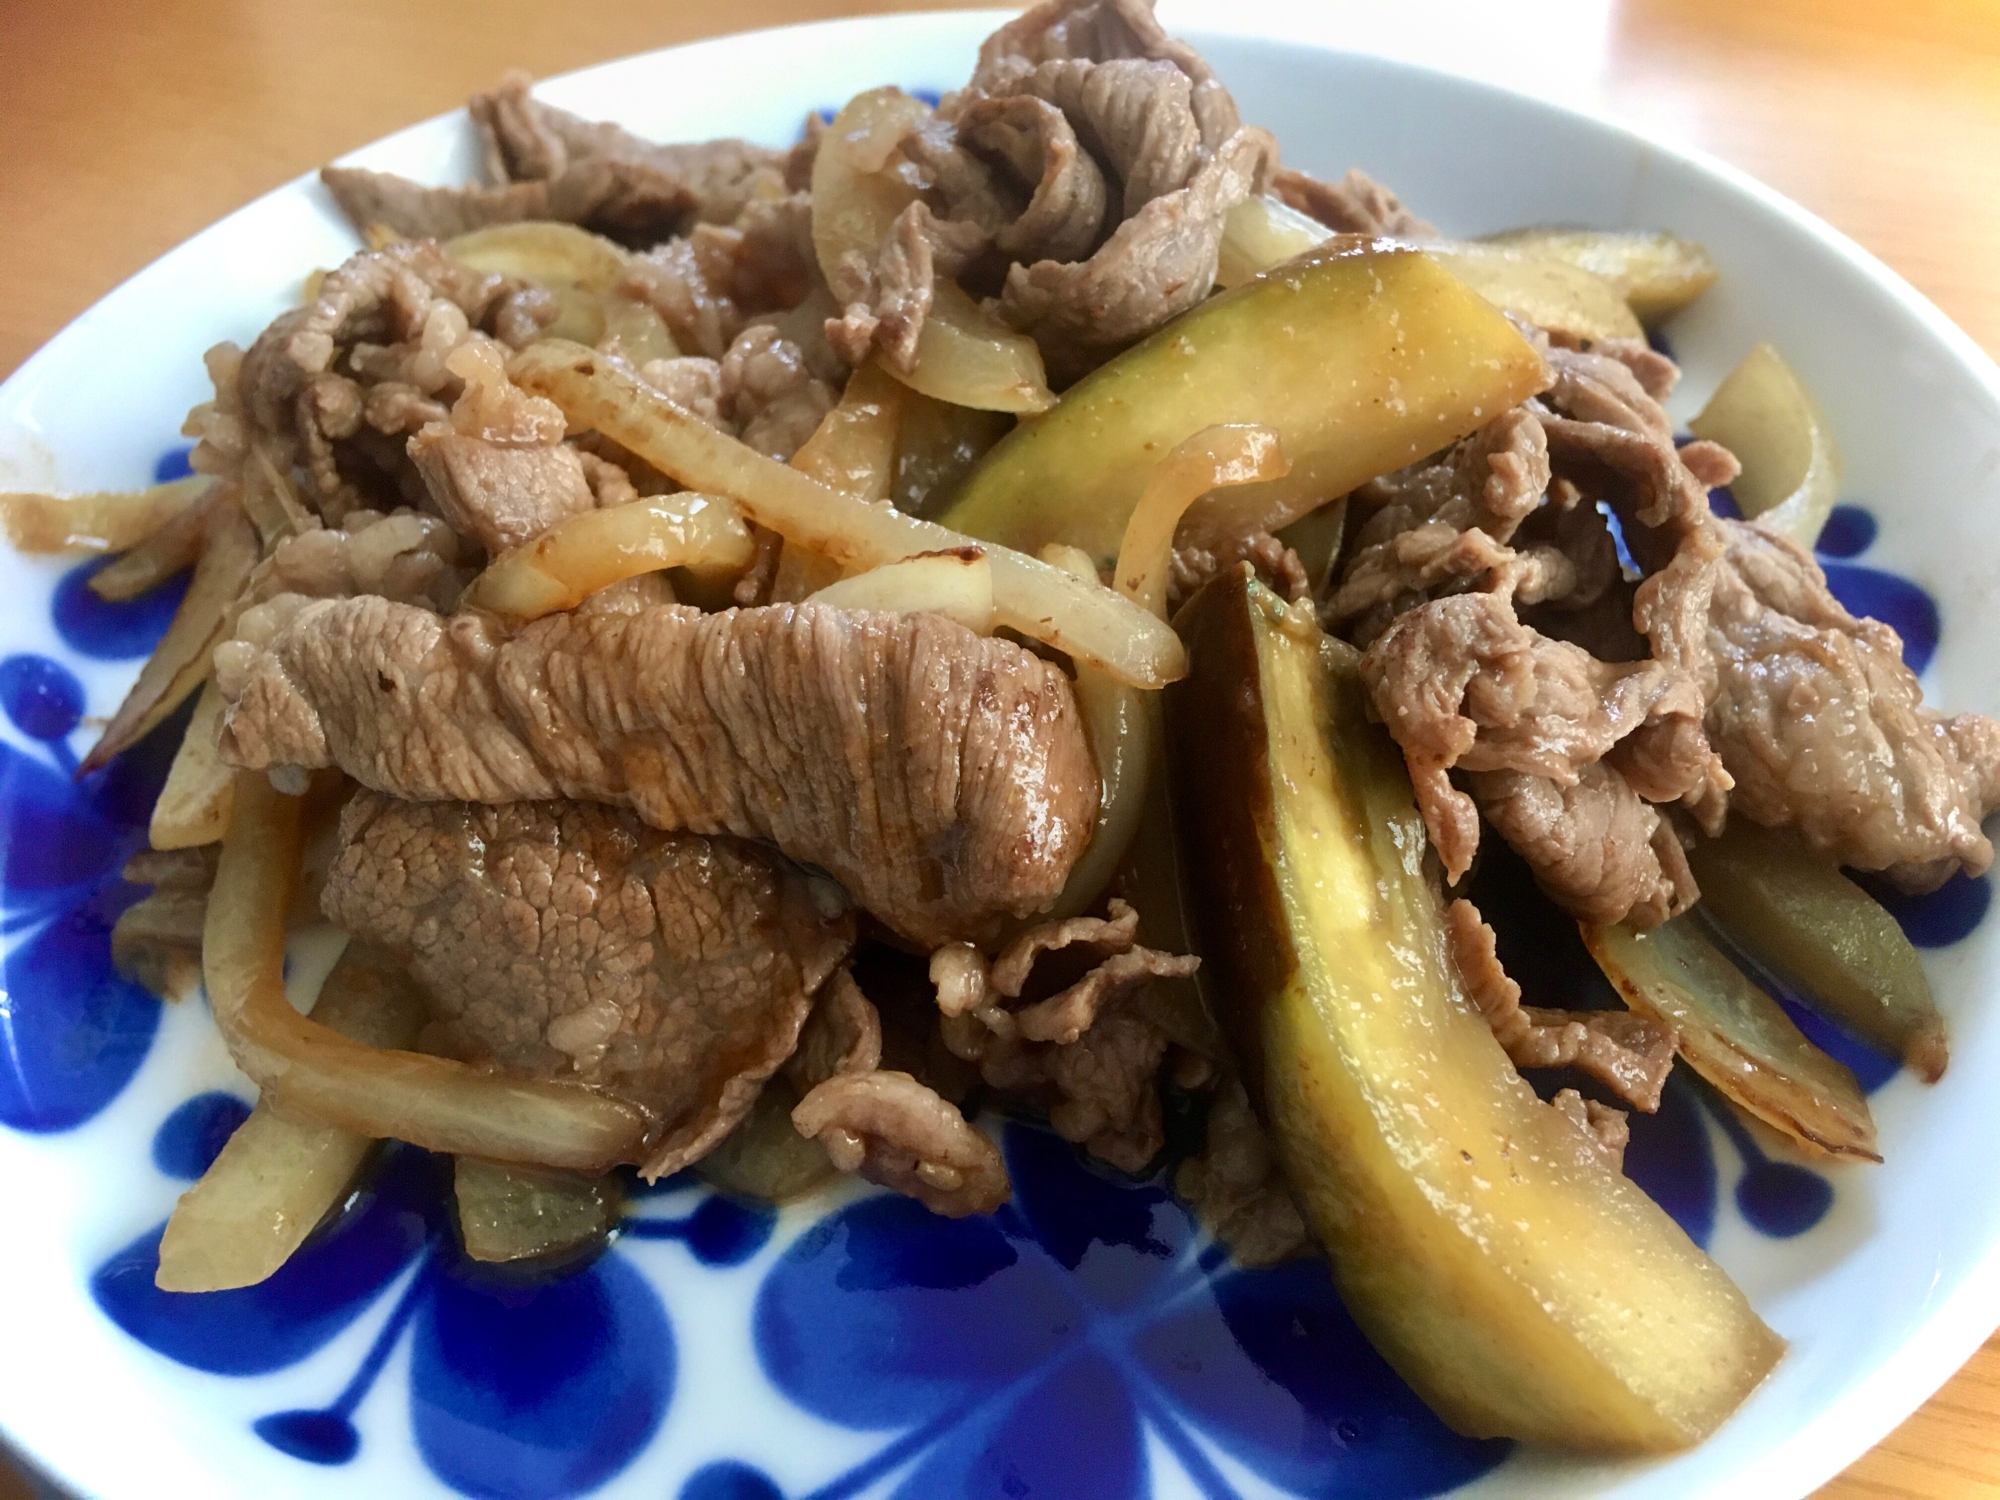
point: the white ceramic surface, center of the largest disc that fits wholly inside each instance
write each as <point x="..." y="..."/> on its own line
<point x="1881" y="1302"/>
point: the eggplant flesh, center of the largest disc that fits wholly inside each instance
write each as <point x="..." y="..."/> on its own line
<point x="1486" y="1245"/>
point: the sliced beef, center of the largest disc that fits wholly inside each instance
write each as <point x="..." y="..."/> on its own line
<point x="374" y="200"/>
<point x="411" y="558"/>
<point x="1544" y="727"/>
<point x="767" y="393"/>
<point x="842" y="1035"/>
<point x="1628" y="1054"/>
<point x="314" y="417"/>
<point x="1825" y="730"/>
<point x="1277" y="565"/>
<point x="1357" y="204"/>
<point x="1608" y="1127"/>
<point x="942" y="777"/>
<point x="500" y="497"/>
<point x="1237" y="1187"/>
<point x="709" y="284"/>
<point x="895" y="1131"/>
<point x="571" y="941"/>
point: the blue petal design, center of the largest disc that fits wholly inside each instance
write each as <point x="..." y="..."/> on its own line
<point x="317" y="1437"/>
<point x="722" y="1231"/>
<point x="1077" y="1214"/>
<point x="539" y="1393"/>
<point x="1071" y="1432"/>
<point x="1287" y="1383"/>
<point x="729" y="1480"/>
<point x="317" y="1293"/>
<point x="1669" y="1158"/>
<point x="42" y="697"/>
<point x="1849" y="532"/>
<point x="105" y="631"/>
<point x="1938" y="918"/>
<point x="887" y="1316"/>
<point x="173" y="464"/>
<point x="72" y="1030"/>
<point x="189" y="1140"/>
<point x="50" y="838"/>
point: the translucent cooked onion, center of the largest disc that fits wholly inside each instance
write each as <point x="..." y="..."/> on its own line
<point x="1735" y="1035"/>
<point x="1261" y="233"/>
<point x="180" y="663"/>
<point x="957" y="585"/>
<point x="175" y="545"/>
<point x="510" y="1213"/>
<point x="1656" y="273"/>
<point x="1091" y="623"/>
<point x="107" y="522"/>
<point x="1217" y="457"/>
<point x="855" y="449"/>
<point x="964" y="354"/>
<point x="540" y="250"/>
<point x="314" y="1073"/>
<point x="576" y="557"/>
<point x="278" y="1176"/>
<point x="1764" y="414"/>
<point x="1115" y="720"/>
<point x="193" y="807"/>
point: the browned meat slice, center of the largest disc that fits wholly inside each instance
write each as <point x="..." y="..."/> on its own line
<point x="1276" y="564"/>
<point x="1156" y="265"/>
<point x="709" y="283"/>
<point x="500" y="496"/>
<point x="314" y="416"/>
<point x="417" y="212"/>
<point x="942" y="777"/>
<point x="1825" y="729"/>
<point x="1609" y="1127"/>
<point x="767" y="394"/>
<point x="885" y="302"/>
<point x="527" y="140"/>
<point x="842" y="1035"/>
<point x="408" y="557"/>
<point x="1628" y="1054"/>
<point x="1357" y="204"/>
<point x="1237" y="1188"/>
<point x="1047" y="194"/>
<point x="571" y="941"/>
<point x="894" y="1131"/>
<point x="1546" y="729"/>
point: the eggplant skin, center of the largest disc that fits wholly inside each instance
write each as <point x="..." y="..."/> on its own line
<point x="1216" y="727"/>
<point x="1488" y="1247"/>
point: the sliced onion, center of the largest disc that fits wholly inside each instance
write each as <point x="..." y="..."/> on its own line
<point x="180" y="663"/>
<point x="1091" y="623"/>
<point x="312" y="1072"/>
<point x="1217" y="457"/>
<point x="634" y="332"/>
<point x="854" y="446"/>
<point x="580" y="555"/>
<point x="964" y="354"/>
<point x="1116" y="724"/>
<point x="108" y="522"/>
<point x="1261" y="233"/>
<point x="193" y="807"/>
<point x="957" y="585"/>
<point x="544" y="251"/>
<point x="1764" y="414"/>
<point x="278" y="1177"/>
<point x="1735" y="1035"/>
<point x="175" y="545"/>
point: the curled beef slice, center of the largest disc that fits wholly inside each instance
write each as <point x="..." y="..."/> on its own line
<point x="942" y="777"/>
<point x="767" y="393"/>
<point x="500" y="497"/>
<point x="842" y="1035"/>
<point x="571" y="941"/>
<point x="1608" y="1127"/>
<point x="1460" y="682"/>
<point x="1237" y="1187"/>
<point x="1275" y="564"/>
<point x="896" y="1132"/>
<point x="316" y="412"/>
<point x="1357" y="204"/>
<point x="1628" y="1054"/>
<point x="417" y="212"/>
<point x="1065" y="201"/>
<point x="1826" y="731"/>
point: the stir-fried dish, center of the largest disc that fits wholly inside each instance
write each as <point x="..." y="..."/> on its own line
<point x="1024" y="604"/>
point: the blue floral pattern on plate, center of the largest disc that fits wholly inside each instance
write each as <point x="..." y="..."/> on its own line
<point x="1069" y="1344"/>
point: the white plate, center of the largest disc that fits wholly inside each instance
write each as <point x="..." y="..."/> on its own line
<point x="772" y="1360"/>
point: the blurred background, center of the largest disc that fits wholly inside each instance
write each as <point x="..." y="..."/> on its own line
<point x="127" y="128"/>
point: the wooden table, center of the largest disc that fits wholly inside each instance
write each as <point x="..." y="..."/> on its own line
<point x="129" y="127"/>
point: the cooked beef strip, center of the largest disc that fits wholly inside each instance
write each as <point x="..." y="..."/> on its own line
<point x="944" y="778"/>
<point x="500" y="497"/>
<point x="408" y="557"/>
<point x="1825" y="729"/>
<point x="320" y="404"/>
<point x="1626" y="1053"/>
<point x="1462" y="683"/>
<point x="1237" y="1187"/>
<point x="1276" y="564"/>
<point x="1358" y="204"/>
<point x="842" y="1035"/>
<point x="894" y="1131"/>
<point x="767" y="393"/>
<point x="571" y="941"/>
<point x="1609" y="1127"/>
